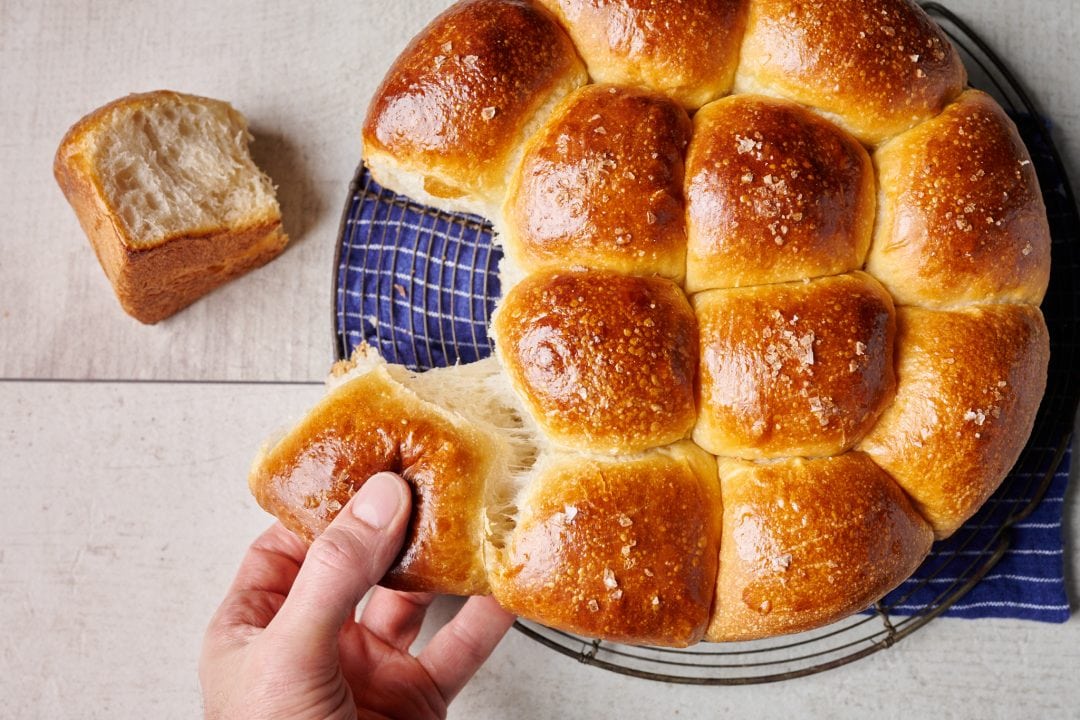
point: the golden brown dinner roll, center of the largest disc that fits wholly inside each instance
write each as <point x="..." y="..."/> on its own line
<point x="623" y="549"/>
<point x="773" y="193"/>
<point x="687" y="49"/>
<point x="454" y="109"/>
<point x="600" y="185"/>
<point x="793" y="369"/>
<point x="603" y="362"/>
<point x="969" y="384"/>
<point x="962" y="218"/>
<point x="806" y="542"/>
<point x="876" y="67"/>
<point x="370" y="423"/>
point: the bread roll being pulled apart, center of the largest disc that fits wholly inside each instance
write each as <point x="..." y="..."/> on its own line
<point x="443" y="431"/>
<point x="623" y="548"/>
<point x="703" y="419"/>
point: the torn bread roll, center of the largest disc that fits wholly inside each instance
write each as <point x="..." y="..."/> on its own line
<point x="164" y="187"/>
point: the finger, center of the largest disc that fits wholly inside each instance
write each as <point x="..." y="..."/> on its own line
<point x="351" y="555"/>
<point x="395" y="617"/>
<point x="264" y="578"/>
<point x="462" y="645"/>
<point x="271" y="563"/>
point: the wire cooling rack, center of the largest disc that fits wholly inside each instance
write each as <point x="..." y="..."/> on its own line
<point x="425" y="319"/>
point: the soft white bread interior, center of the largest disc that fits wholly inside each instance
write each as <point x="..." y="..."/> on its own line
<point x="170" y="198"/>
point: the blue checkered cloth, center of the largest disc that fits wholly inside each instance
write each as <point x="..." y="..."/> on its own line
<point x="419" y="285"/>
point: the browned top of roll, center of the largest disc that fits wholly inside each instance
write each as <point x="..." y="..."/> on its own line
<point x="807" y="542"/>
<point x="369" y="425"/>
<point x="603" y="362"/>
<point x="687" y="49"/>
<point x="962" y="217"/>
<point x="970" y="383"/>
<point x="877" y="66"/>
<point x="601" y="186"/>
<point x="793" y="369"/>
<point x="458" y="97"/>
<point x="774" y="193"/>
<point x="621" y="549"/>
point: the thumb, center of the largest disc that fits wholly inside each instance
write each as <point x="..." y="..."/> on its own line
<point x="343" y="563"/>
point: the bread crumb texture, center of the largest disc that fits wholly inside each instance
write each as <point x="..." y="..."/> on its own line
<point x="176" y="165"/>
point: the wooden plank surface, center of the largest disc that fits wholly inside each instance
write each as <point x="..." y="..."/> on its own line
<point x="123" y="506"/>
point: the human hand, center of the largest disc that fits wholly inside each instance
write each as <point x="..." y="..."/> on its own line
<point x="285" y="642"/>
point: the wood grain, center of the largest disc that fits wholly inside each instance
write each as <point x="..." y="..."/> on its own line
<point x="124" y="508"/>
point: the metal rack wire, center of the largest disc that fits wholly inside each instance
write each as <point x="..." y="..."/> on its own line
<point x="374" y="264"/>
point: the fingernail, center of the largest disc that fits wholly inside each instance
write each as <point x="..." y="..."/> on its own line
<point x="378" y="500"/>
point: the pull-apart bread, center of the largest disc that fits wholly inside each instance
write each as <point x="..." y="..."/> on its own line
<point x="164" y="187"/>
<point x="755" y="351"/>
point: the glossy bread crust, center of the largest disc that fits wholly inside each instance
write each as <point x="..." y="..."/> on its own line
<point x="457" y="103"/>
<point x="961" y="215"/>
<point x="687" y="49"/>
<point x="372" y="424"/>
<point x="774" y="194"/>
<point x="793" y="369"/>
<point x="601" y="186"/>
<point x="970" y="382"/>
<point x="618" y="548"/>
<point x="603" y="362"/>
<point x="876" y="67"/>
<point x="807" y="542"/>
<point x="711" y="279"/>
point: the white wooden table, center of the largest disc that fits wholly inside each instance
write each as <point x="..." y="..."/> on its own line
<point x="124" y="448"/>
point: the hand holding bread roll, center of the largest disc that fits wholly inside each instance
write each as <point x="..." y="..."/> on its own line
<point x="747" y="371"/>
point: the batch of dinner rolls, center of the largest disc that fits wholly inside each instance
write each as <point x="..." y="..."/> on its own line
<point x="770" y="319"/>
